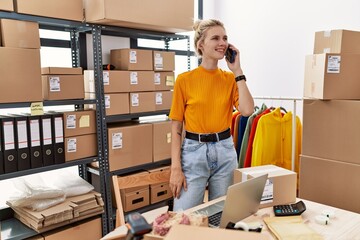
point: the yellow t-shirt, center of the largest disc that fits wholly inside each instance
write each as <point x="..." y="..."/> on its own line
<point x="204" y="100"/>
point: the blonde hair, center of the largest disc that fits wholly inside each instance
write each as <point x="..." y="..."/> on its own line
<point x="200" y="27"/>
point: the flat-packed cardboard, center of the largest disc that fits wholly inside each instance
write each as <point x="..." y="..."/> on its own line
<point x="163" y="100"/>
<point x="161" y="140"/>
<point x="88" y="229"/>
<point x="78" y="147"/>
<point x="136" y="199"/>
<point x="64" y="9"/>
<point x="62" y="87"/>
<point x="7" y="5"/>
<point x="280" y="187"/>
<point x="143" y="102"/>
<point x="332" y="76"/>
<point x="330" y="130"/>
<point x="20" y="75"/>
<point x="158" y="15"/>
<point x="330" y="182"/>
<point x="129" y="145"/>
<point x="116" y="103"/>
<point x="79" y="123"/>
<point x="61" y="70"/>
<point x="337" y="41"/>
<point x="131" y="59"/>
<point x="181" y="232"/>
<point x="164" y="81"/>
<point x="19" y="34"/>
<point x="164" y="61"/>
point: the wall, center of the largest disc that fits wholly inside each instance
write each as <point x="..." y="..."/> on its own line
<point x="275" y="36"/>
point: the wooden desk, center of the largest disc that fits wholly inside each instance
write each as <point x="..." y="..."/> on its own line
<point x="345" y="225"/>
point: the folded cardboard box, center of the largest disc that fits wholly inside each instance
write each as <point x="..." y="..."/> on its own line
<point x="116" y="103"/>
<point x="71" y="210"/>
<point x="131" y="59"/>
<point x="78" y="147"/>
<point x="79" y="123"/>
<point x="280" y="187"/>
<point x="164" y="81"/>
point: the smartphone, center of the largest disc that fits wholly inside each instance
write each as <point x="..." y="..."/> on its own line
<point x="230" y="55"/>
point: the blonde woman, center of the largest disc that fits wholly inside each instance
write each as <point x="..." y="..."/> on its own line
<point x="203" y="102"/>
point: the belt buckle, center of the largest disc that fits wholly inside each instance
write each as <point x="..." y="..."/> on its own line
<point x="200" y="137"/>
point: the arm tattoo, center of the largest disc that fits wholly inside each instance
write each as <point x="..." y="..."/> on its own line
<point x="179" y="133"/>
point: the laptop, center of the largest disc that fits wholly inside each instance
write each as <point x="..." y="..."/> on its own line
<point x="242" y="200"/>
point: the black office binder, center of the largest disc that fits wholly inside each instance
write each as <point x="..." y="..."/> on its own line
<point x="47" y="140"/>
<point x="2" y="171"/>
<point x="8" y="143"/>
<point x="58" y="137"/>
<point x="22" y="142"/>
<point x="36" y="159"/>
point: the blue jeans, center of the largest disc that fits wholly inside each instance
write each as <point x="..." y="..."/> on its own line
<point x="206" y="163"/>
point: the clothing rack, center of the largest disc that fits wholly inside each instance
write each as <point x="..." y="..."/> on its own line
<point x="293" y="139"/>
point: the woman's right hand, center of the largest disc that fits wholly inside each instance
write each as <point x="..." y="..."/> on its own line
<point x="177" y="181"/>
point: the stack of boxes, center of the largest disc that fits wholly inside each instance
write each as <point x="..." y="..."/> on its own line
<point x="330" y="161"/>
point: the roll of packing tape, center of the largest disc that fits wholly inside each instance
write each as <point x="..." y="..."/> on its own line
<point x="323" y="220"/>
<point x="328" y="213"/>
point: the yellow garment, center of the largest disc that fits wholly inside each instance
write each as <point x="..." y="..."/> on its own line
<point x="272" y="142"/>
<point x="204" y="100"/>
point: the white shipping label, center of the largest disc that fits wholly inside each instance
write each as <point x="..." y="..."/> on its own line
<point x="158" y="99"/>
<point x="71" y="145"/>
<point x="22" y="134"/>
<point x="157" y="79"/>
<point x="158" y="61"/>
<point x="117" y="142"/>
<point x="46" y="130"/>
<point x="268" y="194"/>
<point x="133" y="78"/>
<point x="54" y="83"/>
<point x="107" y="101"/>
<point x="9" y="139"/>
<point x="132" y="56"/>
<point x="327" y="34"/>
<point x="59" y="131"/>
<point x="333" y="65"/>
<point x="34" y="133"/>
<point x="106" y="78"/>
<point x="71" y="122"/>
<point x="135" y="100"/>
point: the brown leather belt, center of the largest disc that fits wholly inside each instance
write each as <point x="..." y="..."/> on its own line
<point x="208" y="137"/>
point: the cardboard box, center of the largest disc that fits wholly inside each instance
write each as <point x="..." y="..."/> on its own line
<point x="161" y="140"/>
<point x="78" y="147"/>
<point x="160" y="192"/>
<point x="332" y="76"/>
<point x="163" y="100"/>
<point x="116" y="103"/>
<point x="114" y="81"/>
<point x="330" y="182"/>
<point x="129" y="145"/>
<point x="20" y="76"/>
<point x="329" y="129"/>
<point x="90" y="230"/>
<point x="61" y="87"/>
<point x="134" y="189"/>
<point x="61" y="71"/>
<point x="181" y="232"/>
<point x="164" y="81"/>
<point x="280" y="187"/>
<point x="65" y="9"/>
<point x="337" y="41"/>
<point x="136" y="199"/>
<point x="164" y="61"/>
<point x="7" y="5"/>
<point x="79" y="123"/>
<point x="19" y="34"/>
<point x="131" y="59"/>
<point x="158" y="15"/>
<point x="143" y="102"/>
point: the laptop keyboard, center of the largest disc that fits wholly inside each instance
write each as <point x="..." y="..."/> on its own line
<point x="214" y="220"/>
